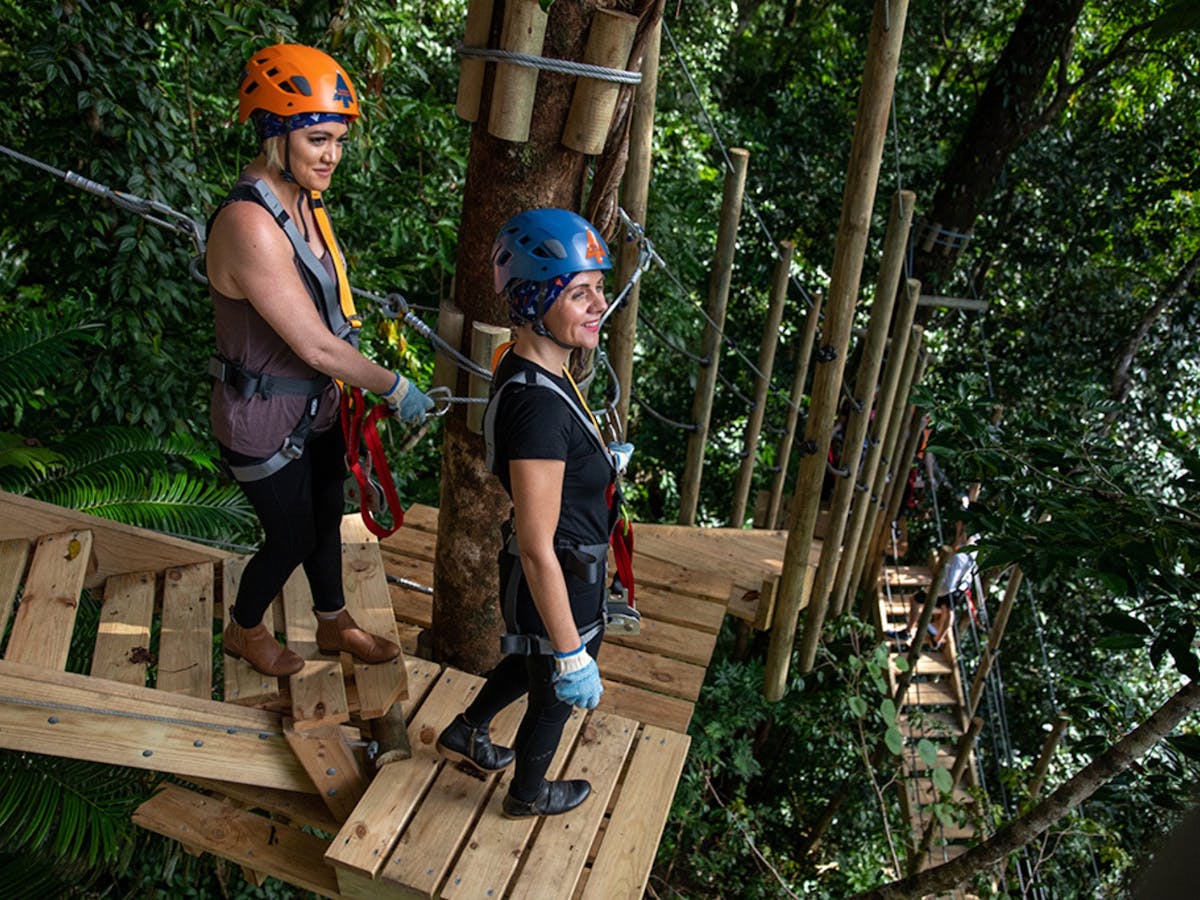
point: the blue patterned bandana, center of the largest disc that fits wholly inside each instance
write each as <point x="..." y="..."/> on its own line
<point x="523" y="296"/>
<point x="270" y="125"/>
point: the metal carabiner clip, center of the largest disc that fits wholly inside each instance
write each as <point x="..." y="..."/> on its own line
<point x="441" y="398"/>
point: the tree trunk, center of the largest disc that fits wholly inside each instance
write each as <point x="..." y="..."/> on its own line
<point x="1115" y="760"/>
<point x="1004" y="116"/>
<point x="503" y="179"/>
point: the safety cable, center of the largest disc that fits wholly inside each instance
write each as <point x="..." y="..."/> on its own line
<point x="636" y="398"/>
<point x="551" y="64"/>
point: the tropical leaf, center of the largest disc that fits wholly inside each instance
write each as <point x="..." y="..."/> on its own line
<point x="35" y="350"/>
<point x="17" y="453"/>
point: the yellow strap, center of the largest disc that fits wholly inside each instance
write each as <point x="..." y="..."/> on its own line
<point x="583" y="403"/>
<point x="339" y="267"/>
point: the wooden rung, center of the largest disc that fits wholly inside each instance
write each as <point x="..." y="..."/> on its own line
<point x="667" y="639"/>
<point x="622" y="864"/>
<point x="647" y="670"/>
<point x="185" y="645"/>
<point x="14" y="556"/>
<point x="45" y="619"/>
<point x="369" y="834"/>
<point x="491" y="853"/>
<point x="295" y="807"/>
<point x="642" y="705"/>
<point x="122" y="651"/>
<point x="931" y="694"/>
<point x="237" y="835"/>
<point x="243" y="684"/>
<point x="368" y="601"/>
<point x="331" y="764"/>
<point x="555" y="861"/>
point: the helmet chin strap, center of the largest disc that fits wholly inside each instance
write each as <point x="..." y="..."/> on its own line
<point x="539" y="328"/>
<point x="286" y="174"/>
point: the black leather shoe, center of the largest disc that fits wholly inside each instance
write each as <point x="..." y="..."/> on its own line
<point x="555" y="798"/>
<point x="463" y="743"/>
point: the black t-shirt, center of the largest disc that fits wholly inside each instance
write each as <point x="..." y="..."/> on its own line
<point x="534" y="423"/>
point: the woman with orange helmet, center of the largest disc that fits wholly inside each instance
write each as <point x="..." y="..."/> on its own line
<point x="286" y="333"/>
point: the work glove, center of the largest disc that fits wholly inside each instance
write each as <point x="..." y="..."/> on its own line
<point x="576" y="679"/>
<point x="408" y="402"/>
<point x="622" y="454"/>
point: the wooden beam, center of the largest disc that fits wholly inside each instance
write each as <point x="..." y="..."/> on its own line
<point x="331" y="765"/>
<point x="122" y="651"/>
<point x="41" y="631"/>
<point x="974" y="305"/>
<point x="250" y="840"/>
<point x="186" y="641"/>
<point x="76" y="716"/>
<point x="14" y="556"/>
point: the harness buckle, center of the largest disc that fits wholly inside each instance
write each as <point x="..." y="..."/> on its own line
<point x="293" y="448"/>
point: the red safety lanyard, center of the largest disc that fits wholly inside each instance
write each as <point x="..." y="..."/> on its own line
<point x="358" y="428"/>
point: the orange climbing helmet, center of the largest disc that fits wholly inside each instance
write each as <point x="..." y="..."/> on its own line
<point x="291" y="79"/>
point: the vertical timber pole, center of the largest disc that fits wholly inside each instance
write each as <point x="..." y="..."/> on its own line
<point x="865" y="382"/>
<point x="888" y="409"/>
<point x="762" y="384"/>
<point x="862" y="177"/>
<point x="811" y="321"/>
<point x="889" y="480"/>
<point x="718" y="299"/>
<point x="995" y="636"/>
<point x="635" y="190"/>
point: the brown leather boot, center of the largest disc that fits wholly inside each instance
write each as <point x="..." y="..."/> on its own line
<point x="335" y="635"/>
<point x="258" y="647"/>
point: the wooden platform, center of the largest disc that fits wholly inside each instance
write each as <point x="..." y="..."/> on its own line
<point x="275" y="774"/>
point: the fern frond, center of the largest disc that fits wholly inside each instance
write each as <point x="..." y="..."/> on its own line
<point x="18" y="454"/>
<point x="178" y="503"/>
<point x="35" y="349"/>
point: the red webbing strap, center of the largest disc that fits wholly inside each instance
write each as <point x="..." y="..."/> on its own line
<point x="358" y="427"/>
<point x="622" y="546"/>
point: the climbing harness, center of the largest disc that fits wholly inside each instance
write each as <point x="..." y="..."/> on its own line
<point x="586" y="562"/>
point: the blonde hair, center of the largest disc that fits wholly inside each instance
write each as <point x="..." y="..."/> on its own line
<point x="273" y="150"/>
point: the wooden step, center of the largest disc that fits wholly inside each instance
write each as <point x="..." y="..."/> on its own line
<point x="931" y="693"/>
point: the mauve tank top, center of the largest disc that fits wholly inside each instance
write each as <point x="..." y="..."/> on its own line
<point x="257" y="426"/>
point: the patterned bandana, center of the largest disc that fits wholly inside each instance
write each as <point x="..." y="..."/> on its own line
<point x="270" y="125"/>
<point x="523" y="296"/>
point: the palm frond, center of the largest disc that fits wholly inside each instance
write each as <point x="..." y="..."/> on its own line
<point x="71" y="810"/>
<point x="178" y="503"/>
<point x="17" y="453"/>
<point x="112" y="448"/>
<point x="35" y="349"/>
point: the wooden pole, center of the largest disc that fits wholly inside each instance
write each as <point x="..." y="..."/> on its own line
<point x="470" y="69"/>
<point x="783" y="457"/>
<point x="865" y="382"/>
<point x="514" y="87"/>
<point x="610" y="40"/>
<point x="718" y="299"/>
<point x="485" y="340"/>
<point x="888" y="484"/>
<point x="762" y="382"/>
<point x="1043" y="764"/>
<point x="995" y="636"/>
<point x="887" y="409"/>
<point x="635" y="188"/>
<point x="866" y="151"/>
<point x="449" y="329"/>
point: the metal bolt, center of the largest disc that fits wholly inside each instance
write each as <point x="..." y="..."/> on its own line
<point x="197" y="743"/>
<point x="147" y="753"/>
<point x="332" y="792"/>
<point x="331" y="771"/>
<point x="53" y="720"/>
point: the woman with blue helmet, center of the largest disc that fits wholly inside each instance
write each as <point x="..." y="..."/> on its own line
<point x="547" y="450"/>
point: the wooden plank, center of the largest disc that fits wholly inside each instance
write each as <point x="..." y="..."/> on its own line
<point x="666" y="639"/>
<point x="122" y="651"/>
<point x="655" y="673"/>
<point x="409" y="605"/>
<point x="41" y="630"/>
<point x="367" y="837"/>
<point x="432" y="839"/>
<point x="185" y="643"/>
<point x="677" y="578"/>
<point x="689" y="612"/>
<point x="117" y="548"/>
<point x="243" y="684"/>
<point x="318" y="691"/>
<point x="242" y="837"/>
<point x="931" y="693"/>
<point x="626" y="855"/>
<point x="64" y="714"/>
<point x="559" y="852"/>
<point x="491" y="854"/>
<point x="14" y="556"/>
<point x="295" y="807"/>
<point x="410" y="543"/>
<point x="331" y="765"/>
<point x="642" y="705"/>
<point x="367" y="599"/>
<point x="420" y="517"/>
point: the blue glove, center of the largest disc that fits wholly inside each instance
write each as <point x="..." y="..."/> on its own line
<point x="577" y="680"/>
<point x="409" y="404"/>
<point x="622" y="454"/>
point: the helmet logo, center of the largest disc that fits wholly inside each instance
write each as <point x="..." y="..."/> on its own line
<point x="341" y="92"/>
<point x="595" y="250"/>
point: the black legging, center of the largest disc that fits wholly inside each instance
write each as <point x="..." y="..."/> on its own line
<point x="542" y="725"/>
<point x="300" y="508"/>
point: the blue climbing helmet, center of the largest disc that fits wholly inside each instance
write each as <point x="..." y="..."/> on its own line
<point x="538" y="252"/>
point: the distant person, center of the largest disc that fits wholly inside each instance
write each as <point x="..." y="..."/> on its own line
<point x="285" y="335"/>
<point x="957" y="577"/>
<point x="553" y="462"/>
